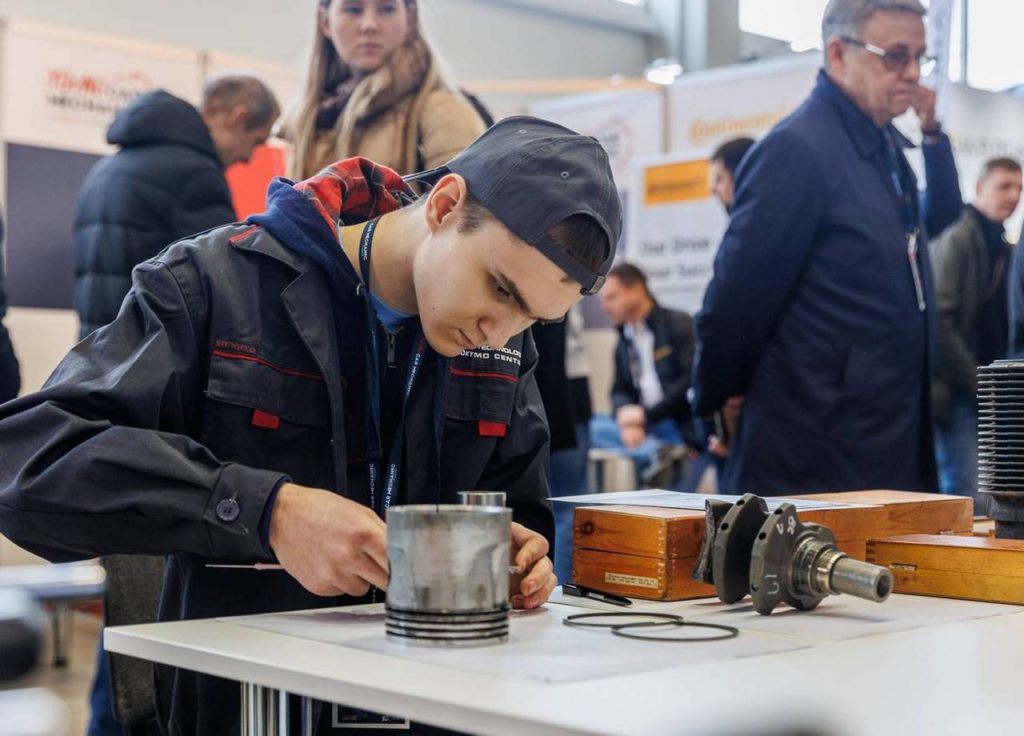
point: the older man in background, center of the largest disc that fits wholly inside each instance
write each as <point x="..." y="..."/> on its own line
<point x="821" y="309"/>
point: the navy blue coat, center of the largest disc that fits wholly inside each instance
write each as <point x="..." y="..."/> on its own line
<point x="812" y="313"/>
<point x="165" y="183"/>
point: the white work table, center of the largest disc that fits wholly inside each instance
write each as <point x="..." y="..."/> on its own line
<point x="911" y="665"/>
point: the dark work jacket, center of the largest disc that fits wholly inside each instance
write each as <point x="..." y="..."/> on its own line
<point x="166" y="182"/>
<point x="673" y="362"/>
<point x="151" y="437"/>
<point x="812" y="312"/>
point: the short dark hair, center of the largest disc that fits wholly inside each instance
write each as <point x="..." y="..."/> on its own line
<point x="1003" y="162"/>
<point x="227" y="91"/>
<point x="629" y="274"/>
<point x="732" y="152"/>
<point x="578" y="235"/>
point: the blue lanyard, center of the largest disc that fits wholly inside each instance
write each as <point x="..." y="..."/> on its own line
<point x="380" y="500"/>
<point x="908" y="211"/>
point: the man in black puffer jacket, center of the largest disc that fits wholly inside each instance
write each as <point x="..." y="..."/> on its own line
<point x="166" y="182"/>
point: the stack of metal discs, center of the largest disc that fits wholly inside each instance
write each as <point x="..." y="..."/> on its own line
<point x="449" y="575"/>
<point x="1001" y="444"/>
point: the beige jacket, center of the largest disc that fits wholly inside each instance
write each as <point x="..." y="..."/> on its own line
<point x="421" y="130"/>
<point x="401" y="116"/>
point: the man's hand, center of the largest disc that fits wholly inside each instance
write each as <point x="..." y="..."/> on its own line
<point x="632" y="437"/>
<point x="632" y="422"/>
<point x="924" y="106"/>
<point x="331" y="545"/>
<point x="731" y="413"/>
<point x="529" y="553"/>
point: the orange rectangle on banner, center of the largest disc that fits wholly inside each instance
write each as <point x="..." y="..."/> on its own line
<point x="676" y="182"/>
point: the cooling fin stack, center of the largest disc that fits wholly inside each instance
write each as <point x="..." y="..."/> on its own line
<point x="1001" y="444"/>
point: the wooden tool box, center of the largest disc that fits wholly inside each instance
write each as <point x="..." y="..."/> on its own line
<point x="645" y="552"/>
<point x="973" y="568"/>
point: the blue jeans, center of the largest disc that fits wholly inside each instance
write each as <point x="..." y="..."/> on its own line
<point x="568" y="478"/>
<point x="101" y="717"/>
<point x="956" y="451"/>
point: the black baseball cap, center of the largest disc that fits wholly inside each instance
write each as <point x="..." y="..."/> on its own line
<point x="532" y="174"/>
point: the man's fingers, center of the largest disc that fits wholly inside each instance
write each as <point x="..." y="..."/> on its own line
<point x="376" y="548"/>
<point x="368" y="569"/>
<point x="537" y="578"/>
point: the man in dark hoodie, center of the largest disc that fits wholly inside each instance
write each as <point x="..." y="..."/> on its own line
<point x="166" y="182"/>
<point x="271" y="388"/>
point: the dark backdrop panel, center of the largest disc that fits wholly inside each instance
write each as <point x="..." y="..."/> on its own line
<point x="42" y="184"/>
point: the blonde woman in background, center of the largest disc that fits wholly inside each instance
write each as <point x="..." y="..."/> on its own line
<point x="373" y="89"/>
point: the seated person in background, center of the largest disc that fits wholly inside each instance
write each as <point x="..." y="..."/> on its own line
<point x="653" y="360"/>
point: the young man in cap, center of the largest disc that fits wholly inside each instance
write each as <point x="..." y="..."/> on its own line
<point x="270" y="388"/>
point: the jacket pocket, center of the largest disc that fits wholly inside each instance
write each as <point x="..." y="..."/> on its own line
<point x="268" y="415"/>
<point x="482" y="385"/>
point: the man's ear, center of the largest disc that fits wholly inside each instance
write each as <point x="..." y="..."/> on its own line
<point x="238" y="118"/>
<point x="835" y="51"/>
<point x="445" y="201"/>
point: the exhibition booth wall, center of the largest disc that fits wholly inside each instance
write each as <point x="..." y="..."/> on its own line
<point x="59" y="90"/>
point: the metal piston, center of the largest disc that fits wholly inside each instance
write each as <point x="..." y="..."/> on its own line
<point x="449" y="575"/>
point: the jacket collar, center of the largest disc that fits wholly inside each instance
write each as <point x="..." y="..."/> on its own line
<point x="867" y="136"/>
<point x="256" y="239"/>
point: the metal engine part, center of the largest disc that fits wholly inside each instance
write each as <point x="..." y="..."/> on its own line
<point x="733" y="542"/>
<point x="449" y="575"/>
<point x="779" y="559"/>
<point x="1000" y="442"/>
<point x="798" y="563"/>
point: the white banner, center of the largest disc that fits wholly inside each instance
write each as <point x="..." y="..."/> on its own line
<point x="708" y="108"/>
<point x="61" y="89"/>
<point x="674" y="227"/>
<point x="630" y="125"/>
<point x="940" y="24"/>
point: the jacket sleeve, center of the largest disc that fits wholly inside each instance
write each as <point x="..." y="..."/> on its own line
<point x="675" y="404"/>
<point x="10" y="375"/>
<point x="624" y="390"/>
<point x="519" y="463"/>
<point x="941" y="201"/>
<point x="780" y="200"/>
<point x="447" y="126"/>
<point x="954" y="362"/>
<point x="98" y="461"/>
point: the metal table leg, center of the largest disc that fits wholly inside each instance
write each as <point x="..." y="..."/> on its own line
<point x="60" y="616"/>
<point x="264" y="711"/>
